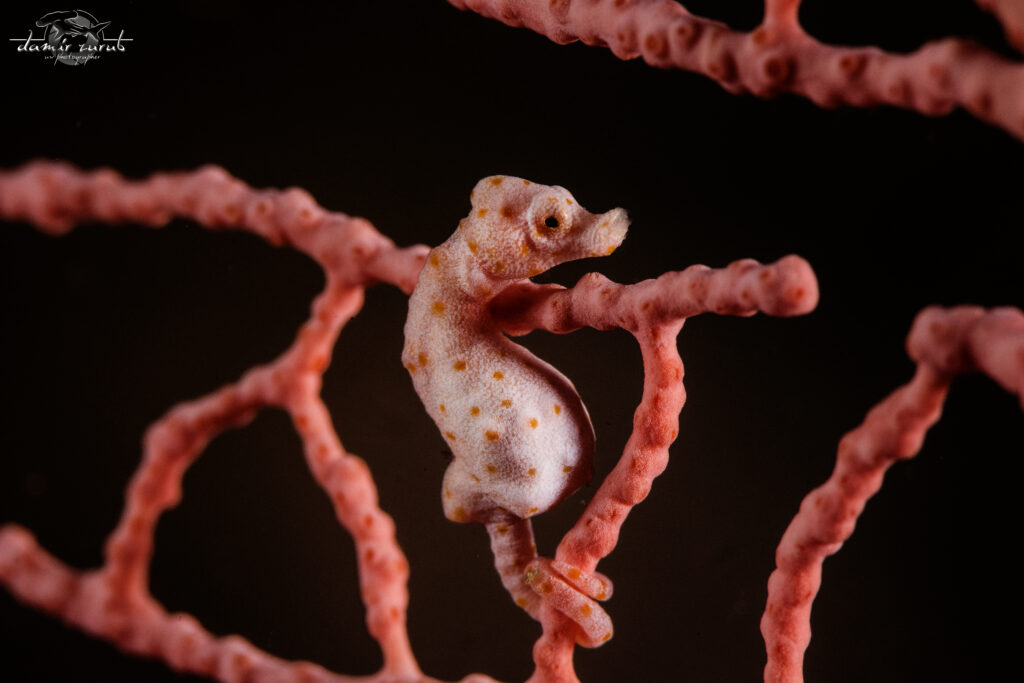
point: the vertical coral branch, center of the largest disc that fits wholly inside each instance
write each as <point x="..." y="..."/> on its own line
<point x="943" y="343"/>
<point x="783" y="12"/>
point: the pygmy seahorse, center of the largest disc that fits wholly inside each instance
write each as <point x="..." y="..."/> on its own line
<point x="520" y="435"/>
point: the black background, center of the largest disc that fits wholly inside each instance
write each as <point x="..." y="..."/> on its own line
<point x="392" y="112"/>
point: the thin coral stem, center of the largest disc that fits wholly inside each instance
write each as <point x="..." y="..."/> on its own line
<point x="171" y="445"/>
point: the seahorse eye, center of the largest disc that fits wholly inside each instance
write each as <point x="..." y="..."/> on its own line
<point x="551" y="221"/>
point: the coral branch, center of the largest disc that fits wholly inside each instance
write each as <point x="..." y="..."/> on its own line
<point x="779" y="57"/>
<point x="56" y="196"/>
<point x="943" y="343"/>
<point x="781" y="11"/>
<point x="654" y="311"/>
<point x="1011" y="15"/>
<point x="114" y="601"/>
<point x="90" y="601"/>
<point x="785" y="288"/>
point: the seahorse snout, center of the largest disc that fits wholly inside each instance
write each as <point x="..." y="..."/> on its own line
<point x="609" y="230"/>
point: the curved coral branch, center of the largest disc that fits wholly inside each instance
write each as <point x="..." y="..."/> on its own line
<point x="654" y="312"/>
<point x="943" y="343"/>
<point x="779" y="56"/>
<point x="114" y="601"/>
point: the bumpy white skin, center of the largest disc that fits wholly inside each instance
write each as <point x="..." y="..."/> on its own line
<point x="521" y="438"/>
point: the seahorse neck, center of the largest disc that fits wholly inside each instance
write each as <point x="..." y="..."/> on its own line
<point x="470" y="281"/>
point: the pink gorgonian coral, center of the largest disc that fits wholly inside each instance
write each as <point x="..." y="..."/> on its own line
<point x="115" y="601"/>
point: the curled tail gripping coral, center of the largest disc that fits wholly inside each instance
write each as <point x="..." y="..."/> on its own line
<point x="520" y="435"/>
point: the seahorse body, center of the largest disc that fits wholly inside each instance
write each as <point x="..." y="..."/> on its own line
<point x="520" y="435"/>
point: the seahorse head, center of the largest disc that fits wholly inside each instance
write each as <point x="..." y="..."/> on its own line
<point x="517" y="228"/>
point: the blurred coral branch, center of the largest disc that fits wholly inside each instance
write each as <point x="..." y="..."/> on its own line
<point x="780" y="57"/>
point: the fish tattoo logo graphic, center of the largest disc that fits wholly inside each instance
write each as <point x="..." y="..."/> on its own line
<point x="73" y="34"/>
